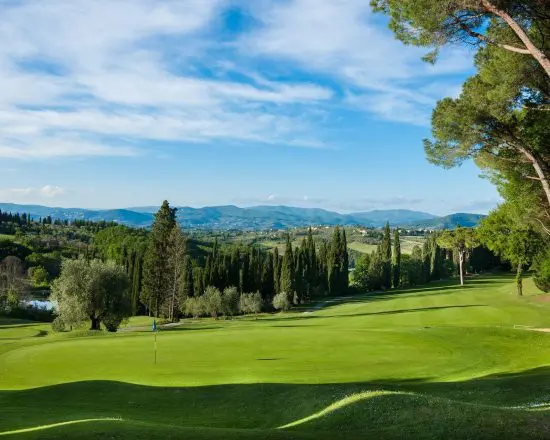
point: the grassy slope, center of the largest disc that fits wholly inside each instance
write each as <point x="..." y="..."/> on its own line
<point x="433" y="362"/>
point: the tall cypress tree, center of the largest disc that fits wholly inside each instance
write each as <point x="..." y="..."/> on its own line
<point x="396" y="258"/>
<point x="311" y="261"/>
<point x="334" y="264"/>
<point x="156" y="269"/>
<point x="344" y="268"/>
<point x="276" y="271"/>
<point x="287" y="284"/>
<point x="188" y="284"/>
<point x="385" y="255"/>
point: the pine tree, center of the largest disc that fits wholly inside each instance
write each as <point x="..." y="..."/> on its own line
<point x="156" y="263"/>
<point x="396" y="258"/>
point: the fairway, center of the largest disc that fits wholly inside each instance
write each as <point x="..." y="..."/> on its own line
<point x="438" y="361"/>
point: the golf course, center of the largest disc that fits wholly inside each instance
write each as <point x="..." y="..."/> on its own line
<point x="438" y="361"/>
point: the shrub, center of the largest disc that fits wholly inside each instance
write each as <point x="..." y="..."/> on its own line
<point x="230" y="301"/>
<point x="212" y="302"/>
<point x="542" y="271"/>
<point x="281" y="301"/>
<point x="57" y="325"/>
<point x="192" y="307"/>
<point x="251" y="303"/>
<point x="31" y="313"/>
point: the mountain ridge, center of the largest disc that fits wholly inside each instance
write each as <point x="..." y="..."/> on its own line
<point x="253" y="217"/>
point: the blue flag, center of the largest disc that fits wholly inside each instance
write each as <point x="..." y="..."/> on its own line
<point x="154" y="325"/>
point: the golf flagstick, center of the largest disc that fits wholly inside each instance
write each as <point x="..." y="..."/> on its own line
<point x="155" y="344"/>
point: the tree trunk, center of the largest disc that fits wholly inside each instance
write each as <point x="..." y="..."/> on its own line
<point x="533" y="50"/>
<point x="539" y="169"/>
<point x="519" y="279"/>
<point x="460" y="266"/>
<point x="95" y="323"/>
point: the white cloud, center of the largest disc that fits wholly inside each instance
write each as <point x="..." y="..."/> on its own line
<point x="343" y="39"/>
<point x="115" y="81"/>
<point x="77" y="74"/>
<point x="31" y="194"/>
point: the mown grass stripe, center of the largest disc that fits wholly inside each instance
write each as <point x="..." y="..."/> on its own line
<point x="59" y="424"/>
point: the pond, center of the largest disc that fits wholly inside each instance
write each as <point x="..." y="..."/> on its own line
<point x="40" y="303"/>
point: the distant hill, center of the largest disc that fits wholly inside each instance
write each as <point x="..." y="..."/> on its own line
<point x="256" y="217"/>
<point x="449" y="221"/>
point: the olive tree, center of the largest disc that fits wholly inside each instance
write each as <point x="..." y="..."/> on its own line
<point x="212" y="302"/>
<point x="92" y="290"/>
<point x="251" y="303"/>
<point x="230" y="301"/>
<point x="13" y="282"/>
<point x="281" y="302"/>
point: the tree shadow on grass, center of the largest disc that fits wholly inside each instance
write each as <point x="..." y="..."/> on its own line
<point x="381" y="313"/>
<point x="495" y="406"/>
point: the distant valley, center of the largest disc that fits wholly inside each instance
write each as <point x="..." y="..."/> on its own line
<point x="253" y="218"/>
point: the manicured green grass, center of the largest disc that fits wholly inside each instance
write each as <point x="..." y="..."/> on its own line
<point x="434" y="362"/>
<point x="364" y="248"/>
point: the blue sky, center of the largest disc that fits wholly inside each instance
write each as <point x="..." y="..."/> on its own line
<point x="310" y="103"/>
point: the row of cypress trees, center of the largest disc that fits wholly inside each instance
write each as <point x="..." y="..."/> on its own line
<point x="313" y="268"/>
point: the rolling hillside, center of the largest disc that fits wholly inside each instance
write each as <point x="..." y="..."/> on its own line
<point x="253" y="218"/>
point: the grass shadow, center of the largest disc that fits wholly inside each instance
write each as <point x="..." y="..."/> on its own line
<point x="495" y="406"/>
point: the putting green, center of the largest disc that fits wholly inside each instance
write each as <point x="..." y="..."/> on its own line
<point x="432" y="362"/>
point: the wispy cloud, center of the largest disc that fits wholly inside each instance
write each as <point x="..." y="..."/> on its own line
<point x="23" y="195"/>
<point x="77" y="74"/>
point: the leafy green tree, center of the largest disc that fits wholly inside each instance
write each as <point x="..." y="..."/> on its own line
<point x="212" y="302"/>
<point x="396" y="272"/>
<point x="13" y="282"/>
<point x="511" y="239"/>
<point x="230" y="301"/>
<point x="361" y="277"/>
<point x="251" y="303"/>
<point x="282" y="302"/>
<point x="39" y="276"/>
<point x="411" y="271"/>
<point x="541" y="266"/>
<point x="460" y="241"/>
<point x="92" y="290"/>
<point x="501" y="118"/>
<point x="523" y="25"/>
<point x="193" y="306"/>
<point x="156" y="266"/>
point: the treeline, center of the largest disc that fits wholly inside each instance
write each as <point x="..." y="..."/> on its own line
<point x="166" y="269"/>
<point x="442" y="255"/>
<point x="11" y="223"/>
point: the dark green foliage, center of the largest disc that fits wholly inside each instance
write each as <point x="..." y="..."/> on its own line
<point x="188" y="284"/>
<point x="541" y="266"/>
<point x="396" y="266"/>
<point x="287" y="282"/>
<point x="386" y="258"/>
<point x="156" y="263"/>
